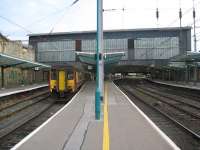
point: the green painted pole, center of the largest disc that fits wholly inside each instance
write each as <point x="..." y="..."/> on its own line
<point x="99" y="58"/>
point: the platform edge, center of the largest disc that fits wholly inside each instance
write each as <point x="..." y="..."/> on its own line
<point x="162" y="134"/>
<point x="178" y="86"/>
<point x="47" y="121"/>
<point x="23" y="90"/>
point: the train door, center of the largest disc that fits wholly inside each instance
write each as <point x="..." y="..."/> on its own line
<point x="70" y="81"/>
<point x="61" y="80"/>
<point x="53" y="82"/>
<point x="75" y="79"/>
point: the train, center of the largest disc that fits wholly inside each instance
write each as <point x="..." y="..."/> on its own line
<point x="65" y="80"/>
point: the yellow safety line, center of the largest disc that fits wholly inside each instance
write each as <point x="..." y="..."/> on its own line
<point x="106" y="136"/>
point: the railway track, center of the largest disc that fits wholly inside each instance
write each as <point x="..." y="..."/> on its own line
<point x="187" y="124"/>
<point x="13" y="108"/>
<point x="176" y="112"/>
<point x="185" y="93"/>
<point x="19" y="118"/>
<point x="8" y="141"/>
<point x="12" y="119"/>
<point x="11" y="100"/>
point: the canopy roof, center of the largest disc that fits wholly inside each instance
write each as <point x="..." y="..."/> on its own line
<point x="187" y="57"/>
<point x="10" y="61"/>
<point x="184" y="60"/>
<point x="109" y="58"/>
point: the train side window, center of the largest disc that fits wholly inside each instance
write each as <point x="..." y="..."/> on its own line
<point x="53" y="75"/>
<point x="70" y="76"/>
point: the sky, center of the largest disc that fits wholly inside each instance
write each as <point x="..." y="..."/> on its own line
<point x="18" y="18"/>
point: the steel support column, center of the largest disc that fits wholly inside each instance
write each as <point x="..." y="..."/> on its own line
<point x="186" y="73"/>
<point x="163" y="75"/>
<point x="195" y="73"/>
<point x="23" y="79"/>
<point x="2" y="77"/>
<point x="189" y="73"/>
<point x="169" y="75"/>
<point x="99" y="60"/>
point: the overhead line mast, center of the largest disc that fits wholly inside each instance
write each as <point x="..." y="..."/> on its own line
<point x="195" y="38"/>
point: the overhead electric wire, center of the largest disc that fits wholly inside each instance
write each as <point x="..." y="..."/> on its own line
<point x="73" y="3"/>
<point x="47" y="16"/>
<point x="51" y="30"/>
<point x="183" y="14"/>
<point x="44" y="18"/>
<point x="37" y="21"/>
<point x="14" y="23"/>
<point x="54" y="13"/>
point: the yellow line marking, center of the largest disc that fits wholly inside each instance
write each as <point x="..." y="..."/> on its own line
<point x="106" y="136"/>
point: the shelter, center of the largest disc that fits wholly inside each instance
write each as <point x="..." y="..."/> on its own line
<point x="7" y="61"/>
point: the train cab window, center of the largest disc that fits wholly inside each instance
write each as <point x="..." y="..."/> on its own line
<point x="53" y="75"/>
<point x="70" y="76"/>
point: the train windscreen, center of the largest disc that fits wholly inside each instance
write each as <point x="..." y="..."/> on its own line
<point x="53" y="75"/>
<point x="70" y="76"/>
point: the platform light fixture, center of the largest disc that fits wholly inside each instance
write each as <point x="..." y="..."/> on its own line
<point x="37" y="68"/>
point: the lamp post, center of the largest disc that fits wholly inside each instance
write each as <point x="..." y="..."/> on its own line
<point x="99" y="60"/>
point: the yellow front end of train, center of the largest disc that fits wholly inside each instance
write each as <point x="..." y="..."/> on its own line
<point x="63" y="81"/>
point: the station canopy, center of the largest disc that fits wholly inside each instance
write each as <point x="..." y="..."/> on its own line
<point x="109" y="58"/>
<point x="187" y="57"/>
<point x="10" y="61"/>
<point x="181" y="61"/>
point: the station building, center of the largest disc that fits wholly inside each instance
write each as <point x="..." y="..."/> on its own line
<point x="141" y="46"/>
<point x="146" y="50"/>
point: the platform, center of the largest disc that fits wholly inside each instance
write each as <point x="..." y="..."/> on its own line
<point x="74" y="126"/>
<point x="189" y="85"/>
<point x="19" y="89"/>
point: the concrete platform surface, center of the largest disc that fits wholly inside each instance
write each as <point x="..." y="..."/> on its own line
<point x="189" y="85"/>
<point x="130" y="128"/>
<point x="70" y="128"/>
<point x="10" y="91"/>
<point x="74" y="126"/>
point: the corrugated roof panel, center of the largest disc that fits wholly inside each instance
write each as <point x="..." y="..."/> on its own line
<point x="10" y="61"/>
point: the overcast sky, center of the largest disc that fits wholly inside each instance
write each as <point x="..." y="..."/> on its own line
<point x="43" y="16"/>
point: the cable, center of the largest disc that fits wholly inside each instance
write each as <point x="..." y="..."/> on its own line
<point x="47" y="17"/>
<point x="37" y="21"/>
<point x="58" y="11"/>
<point x="14" y="23"/>
<point x="184" y="13"/>
<point x="52" y="28"/>
<point x="51" y="31"/>
<point x="180" y="17"/>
